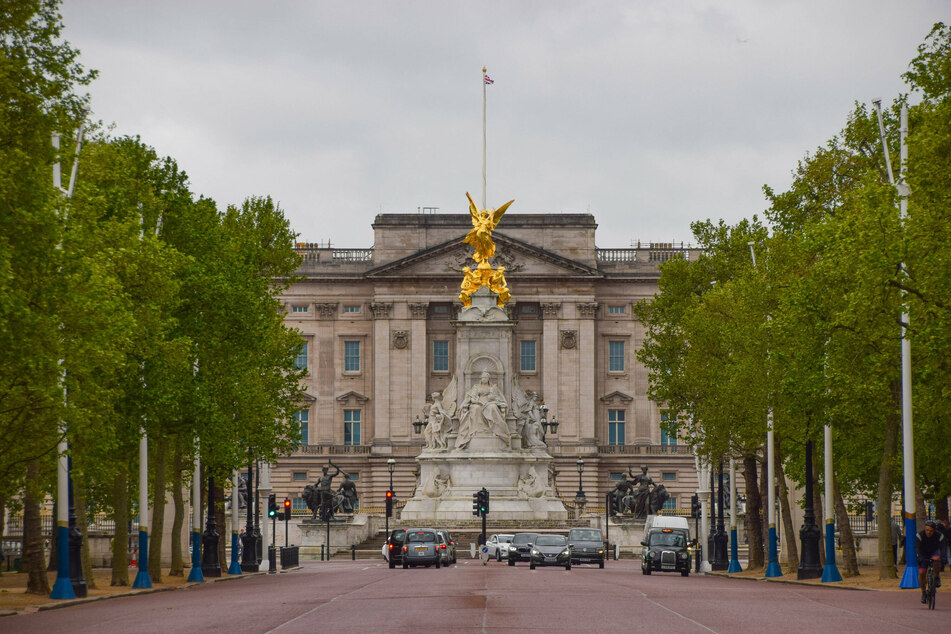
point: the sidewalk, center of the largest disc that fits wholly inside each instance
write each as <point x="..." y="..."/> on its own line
<point x="867" y="579"/>
<point x="15" y="600"/>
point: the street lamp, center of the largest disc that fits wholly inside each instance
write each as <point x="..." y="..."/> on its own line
<point x="418" y="425"/>
<point x="553" y="425"/>
<point x="580" y="465"/>
<point x="390" y="466"/>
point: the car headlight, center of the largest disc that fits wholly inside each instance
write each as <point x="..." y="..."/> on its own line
<point x="600" y="552"/>
<point x="564" y="553"/>
<point x="535" y="552"/>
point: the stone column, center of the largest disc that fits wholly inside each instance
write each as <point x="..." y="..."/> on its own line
<point x="587" y="370"/>
<point x="550" y="347"/>
<point x="324" y="371"/>
<point x="419" y="365"/>
<point x="381" y="370"/>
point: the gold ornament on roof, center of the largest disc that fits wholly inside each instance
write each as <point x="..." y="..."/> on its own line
<point x="480" y="237"/>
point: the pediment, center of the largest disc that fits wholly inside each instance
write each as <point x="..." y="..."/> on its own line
<point x="352" y="398"/>
<point x="307" y="398"/>
<point x="616" y="398"/>
<point x="520" y="259"/>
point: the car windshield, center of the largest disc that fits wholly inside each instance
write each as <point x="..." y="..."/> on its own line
<point x="550" y="540"/>
<point x="505" y="539"/>
<point x="421" y="537"/>
<point x="667" y="539"/>
<point x="523" y="538"/>
<point x="585" y="535"/>
<point x="398" y="537"/>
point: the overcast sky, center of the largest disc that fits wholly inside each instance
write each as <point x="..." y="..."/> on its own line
<point x="649" y="114"/>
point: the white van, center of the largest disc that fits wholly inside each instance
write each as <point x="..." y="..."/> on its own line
<point x="667" y="521"/>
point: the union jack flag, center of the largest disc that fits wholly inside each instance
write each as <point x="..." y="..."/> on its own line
<point x="487" y="79"/>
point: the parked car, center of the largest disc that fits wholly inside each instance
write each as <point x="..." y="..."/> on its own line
<point x="394" y="547"/>
<point x="421" y="548"/>
<point x="520" y="549"/>
<point x="498" y="546"/>
<point x="550" y="550"/>
<point x="586" y="546"/>
<point x="665" y="550"/>
<point x="447" y="547"/>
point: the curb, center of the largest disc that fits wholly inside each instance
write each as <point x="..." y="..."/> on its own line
<point x="793" y="582"/>
<point x="71" y="602"/>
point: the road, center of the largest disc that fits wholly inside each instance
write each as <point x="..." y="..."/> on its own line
<point x="366" y="596"/>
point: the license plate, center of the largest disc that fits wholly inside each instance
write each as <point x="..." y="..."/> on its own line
<point x="421" y="549"/>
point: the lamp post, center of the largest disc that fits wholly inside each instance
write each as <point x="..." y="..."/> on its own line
<point x="390" y="466"/>
<point x="553" y="425"/>
<point x="720" y="561"/>
<point x="249" y="555"/>
<point x="210" y="567"/>
<point x="809" y="567"/>
<point x="734" y="547"/>
<point x="580" y="499"/>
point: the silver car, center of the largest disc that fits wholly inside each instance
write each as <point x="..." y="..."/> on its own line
<point x="421" y="548"/>
<point x="498" y="546"/>
<point x="447" y="547"/>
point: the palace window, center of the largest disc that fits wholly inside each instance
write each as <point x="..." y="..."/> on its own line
<point x="616" y="421"/>
<point x="669" y="476"/>
<point x="615" y="356"/>
<point x="527" y="355"/>
<point x="351" y="427"/>
<point x="300" y="361"/>
<point x="441" y="355"/>
<point x="615" y="310"/>
<point x="300" y="476"/>
<point x="303" y="417"/>
<point x="351" y="356"/>
<point x="298" y="309"/>
<point x="668" y="436"/>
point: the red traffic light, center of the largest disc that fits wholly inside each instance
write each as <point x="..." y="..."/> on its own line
<point x="287" y="504"/>
<point x="389" y="495"/>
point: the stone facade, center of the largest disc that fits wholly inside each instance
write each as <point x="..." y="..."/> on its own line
<point x="380" y="326"/>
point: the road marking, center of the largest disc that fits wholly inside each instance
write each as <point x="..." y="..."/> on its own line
<point x="687" y="618"/>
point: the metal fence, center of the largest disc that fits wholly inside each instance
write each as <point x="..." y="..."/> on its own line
<point x="99" y="524"/>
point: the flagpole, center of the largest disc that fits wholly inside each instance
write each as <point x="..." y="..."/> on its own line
<point x="483" y="136"/>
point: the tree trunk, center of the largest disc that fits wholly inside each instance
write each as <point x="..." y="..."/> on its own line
<point x="886" y="562"/>
<point x="120" y="544"/>
<point x="82" y="522"/>
<point x="850" y="564"/>
<point x="920" y="514"/>
<point x="33" y="556"/>
<point x="754" y="524"/>
<point x="178" y="482"/>
<point x="160" y="469"/>
<point x="224" y="537"/>
<point x="792" y="548"/>
<point x="940" y="509"/>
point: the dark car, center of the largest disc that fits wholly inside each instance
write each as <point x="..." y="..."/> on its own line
<point x="550" y="550"/>
<point x="665" y="550"/>
<point x="521" y="547"/>
<point x="586" y="546"/>
<point x="394" y="547"/>
<point x="421" y="548"/>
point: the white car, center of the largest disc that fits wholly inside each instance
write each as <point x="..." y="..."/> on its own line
<point x="498" y="546"/>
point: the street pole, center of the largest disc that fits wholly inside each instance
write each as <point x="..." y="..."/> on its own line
<point x="142" y="579"/>
<point x="830" y="572"/>
<point x="720" y="561"/>
<point x="254" y="503"/>
<point x="809" y="566"/>
<point x="704" y="496"/>
<point x="249" y="556"/>
<point x="734" y="546"/>
<point x="265" y="481"/>
<point x="909" y="578"/>
<point x="235" y="567"/>
<point x="195" y="574"/>
<point x="69" y="583"/>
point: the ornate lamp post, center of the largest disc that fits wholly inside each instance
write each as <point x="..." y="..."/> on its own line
<point x="720" y="540"/>
<point x="553" y="425"/>
<point x="809" y="566"/>
<point x="418" y="425"/>
<point x="390" y="466"/>
<point x="580" y="499"/>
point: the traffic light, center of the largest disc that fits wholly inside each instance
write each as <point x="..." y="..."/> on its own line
<point x="477" y="503"/>
<point x="272" y="505"/>
<point x="485" y="502"/>
<point x="287" y="509"/>
<point x="695" y="505"/>
<point x="389" y="504"/>
<point x="612" y="504"/>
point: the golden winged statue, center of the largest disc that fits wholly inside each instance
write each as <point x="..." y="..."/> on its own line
<point x="480" y="237"/>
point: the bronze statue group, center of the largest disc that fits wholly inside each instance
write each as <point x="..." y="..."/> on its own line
<point x="323" y="500"/>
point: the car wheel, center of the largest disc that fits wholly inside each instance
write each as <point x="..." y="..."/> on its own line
<point x="684" y="573"/>
<point x="511" y="561"/>
<point x="568" y="565"/>
<point x="392" y="564"/>
<point x="498" y="556"/>
<point x="531" y="566"/>
<point x="437" y="563"/>
<point x="405" y="565"/>
<point x="646" y="571"/>
<point x="601" y="563"/>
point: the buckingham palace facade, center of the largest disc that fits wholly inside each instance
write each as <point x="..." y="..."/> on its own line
<point x="378" y="325"/>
